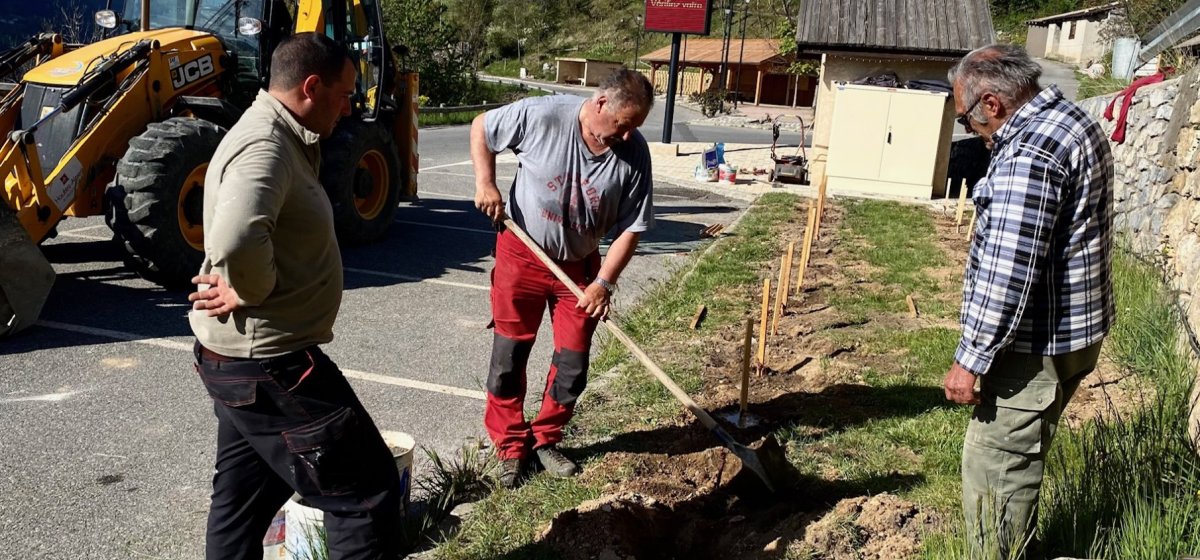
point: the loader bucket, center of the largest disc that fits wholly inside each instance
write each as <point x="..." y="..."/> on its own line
<point x="25" y="276"/>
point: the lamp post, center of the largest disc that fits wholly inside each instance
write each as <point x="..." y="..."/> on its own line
<point x="637" y="43"/>
<point x="737" y="84"/>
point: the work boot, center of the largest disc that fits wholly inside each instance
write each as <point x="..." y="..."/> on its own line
<point x="508" y="473"/>
<point x="555" y="462"/>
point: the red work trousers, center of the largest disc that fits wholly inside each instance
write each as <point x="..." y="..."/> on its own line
<point x="522" y="289"/>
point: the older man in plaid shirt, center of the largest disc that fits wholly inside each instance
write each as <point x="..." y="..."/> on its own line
<point x="1037" y="293"/>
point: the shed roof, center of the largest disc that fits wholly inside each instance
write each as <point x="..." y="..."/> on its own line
<point x="1085" y="13"/>
<point x="708" y="51"/>
<point x="895" y="26"/>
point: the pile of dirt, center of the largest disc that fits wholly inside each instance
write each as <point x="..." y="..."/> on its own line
<point x="868" y="528"/>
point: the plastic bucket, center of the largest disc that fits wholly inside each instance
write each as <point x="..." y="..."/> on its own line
<point x="402" y="445"/>
<point x="303" y="527"/>
<point x="727" y="174"/>
<point x="304" y="532"/>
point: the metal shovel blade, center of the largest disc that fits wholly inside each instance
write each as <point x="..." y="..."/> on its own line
<point x="748" y="456"/>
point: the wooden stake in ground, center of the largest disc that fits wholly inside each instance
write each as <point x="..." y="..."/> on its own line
<point x="949" y="183"/>
<point x="745" y="401"/>
<point x="780" y="295"/>
<point x="701" y="311"/>
<point x="806" y="250"/>
<point x="820" y="207"/>
<point x="912" y="307"/>
<point x="962" y="205"/>
<point x="971" y="227"/>
<point x="788" y="261"/>
<point x="762" y="325"/>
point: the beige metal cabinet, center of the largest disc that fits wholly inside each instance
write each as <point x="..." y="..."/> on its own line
<point x="890" y="141"/>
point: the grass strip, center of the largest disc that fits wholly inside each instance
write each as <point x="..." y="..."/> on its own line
<point x="910" y="441"/>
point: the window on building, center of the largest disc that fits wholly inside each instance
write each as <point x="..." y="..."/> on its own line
<point x="1072" y="34"/>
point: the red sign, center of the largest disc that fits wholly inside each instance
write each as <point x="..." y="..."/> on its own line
<point x="678" y="16"/>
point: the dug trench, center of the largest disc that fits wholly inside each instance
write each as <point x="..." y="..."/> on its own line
<point x="674" y="492"/>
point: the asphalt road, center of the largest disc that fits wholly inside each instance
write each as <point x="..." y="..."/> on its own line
<point x="107" y="436"/>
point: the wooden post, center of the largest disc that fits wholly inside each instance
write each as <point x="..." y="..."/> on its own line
<point x="962" y="204"/>
<point x="758" y="87"/>
<point x="912" y="307"/>
<point x="820" y="207"/>
<point x="971" y="227"/>
<point x="807" y="249"/>
<point x="780" y="295"/>
<point x="762" y="324"/>
<point x="949" y="183"/>
<point x="788" y="261"/>
<point x="745" y="400"/>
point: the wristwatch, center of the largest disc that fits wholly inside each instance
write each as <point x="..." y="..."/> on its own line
<point x="610" y="286"/>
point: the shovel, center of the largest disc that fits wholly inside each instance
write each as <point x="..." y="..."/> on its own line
<point x="748" y="456"/>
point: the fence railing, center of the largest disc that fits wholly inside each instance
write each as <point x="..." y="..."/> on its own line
<point x="460" y="109"/>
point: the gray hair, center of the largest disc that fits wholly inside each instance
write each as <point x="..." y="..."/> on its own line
<point x="625" y="87"/>
<point x="1004" y="70"/>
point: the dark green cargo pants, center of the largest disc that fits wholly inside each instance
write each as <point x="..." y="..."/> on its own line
<point x="1004" y="454"/>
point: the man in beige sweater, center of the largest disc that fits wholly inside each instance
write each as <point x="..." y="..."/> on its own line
<point x="269" y="291"/>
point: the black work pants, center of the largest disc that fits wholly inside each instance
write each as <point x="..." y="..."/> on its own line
<point x="293" y="424"/>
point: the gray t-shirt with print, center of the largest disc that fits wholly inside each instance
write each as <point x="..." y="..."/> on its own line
<point x="564" y="196"/>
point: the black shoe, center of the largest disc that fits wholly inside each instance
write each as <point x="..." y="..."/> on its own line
<point x="555" y="462"/>
<point x="508" y="473"/>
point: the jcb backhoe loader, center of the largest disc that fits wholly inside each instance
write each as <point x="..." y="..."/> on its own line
<point x="125" y="127"/>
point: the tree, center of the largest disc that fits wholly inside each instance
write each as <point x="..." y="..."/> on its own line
<point x="73" y="20"/>
<point x="472" y="18"/>
<point x="434" y="48"/>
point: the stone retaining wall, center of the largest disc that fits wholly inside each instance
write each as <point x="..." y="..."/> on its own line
<point x="1158" y="190"/>
<point x="1158" y="181"/>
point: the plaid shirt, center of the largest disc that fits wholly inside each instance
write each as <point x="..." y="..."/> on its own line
<point x="1038" y="277"/>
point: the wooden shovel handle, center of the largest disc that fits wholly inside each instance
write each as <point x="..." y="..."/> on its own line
<point x="616" y="331"/>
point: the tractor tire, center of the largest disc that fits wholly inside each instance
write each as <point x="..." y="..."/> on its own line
<point x="156" y="200"/>
<point x="360" y="169"/>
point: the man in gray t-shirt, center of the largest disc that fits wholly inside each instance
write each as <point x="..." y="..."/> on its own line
<point x="584" y="172"/>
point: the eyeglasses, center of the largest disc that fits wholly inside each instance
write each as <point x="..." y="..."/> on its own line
<point x="965" y="117"/>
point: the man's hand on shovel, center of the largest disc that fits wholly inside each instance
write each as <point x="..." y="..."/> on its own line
<point x="489" y="201"/>
<point x="595" y="301"/>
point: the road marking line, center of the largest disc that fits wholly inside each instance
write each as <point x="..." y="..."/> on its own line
<point x="85" y="228"/>
<point x="502" y="158"/>
<point x="499" y="178"/>
<point x="52" y="397"/>
<point x="407" y="278"/>
<point x="176" y="345"/>
<point x="414" y="384"/>
<point x="456" y="228"/>
<point x="118" y="335"/>
<point x="85" y="236"/>
<point x="448" y="195"/>
<point x="444" y="165"/>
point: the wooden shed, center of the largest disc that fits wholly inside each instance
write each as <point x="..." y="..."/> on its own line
<point x="763" y="76"/>
<point x="583" y="71"/>
<point x="915" y="39"/>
